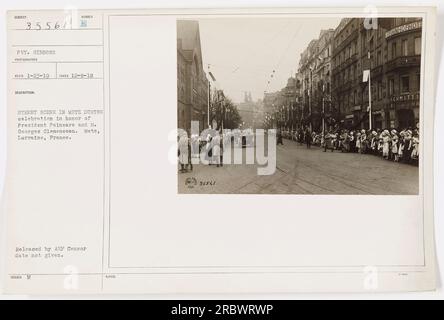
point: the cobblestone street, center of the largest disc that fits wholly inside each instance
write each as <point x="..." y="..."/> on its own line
<point x="307" y="171"/>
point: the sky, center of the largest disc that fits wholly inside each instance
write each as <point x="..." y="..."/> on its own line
<point x="243" y="52"/>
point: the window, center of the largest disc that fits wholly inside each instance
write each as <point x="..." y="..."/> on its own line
<point x="418" y="45"/>
<point x="405" y="84"/>
<point x="196" y="67"/>
<point x="393" y="50"/>
<point x="379" y="90"/>
<point x="391" y="86"/>
<point x="405" y="48"/>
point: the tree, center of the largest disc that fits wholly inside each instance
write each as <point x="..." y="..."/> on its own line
<point x="224" y="110"/>
<point x="232" y="117"/>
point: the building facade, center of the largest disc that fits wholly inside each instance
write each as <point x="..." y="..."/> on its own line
<point x="403" y="72"/>
<point x="391" y="51"/>
<point x="283" y="109"/>
<point x="329" y="86"/>
<point x="192" y="83"/>
<point x="315" y="69"/>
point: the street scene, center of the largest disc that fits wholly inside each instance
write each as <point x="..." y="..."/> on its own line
<point x="338" y="98"/>
<point x="306" y="171"/>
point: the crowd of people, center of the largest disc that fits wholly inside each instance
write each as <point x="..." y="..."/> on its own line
<point x="402" y="146"/>
<point x="211" y="145"/>
<point x="394" y="145"/>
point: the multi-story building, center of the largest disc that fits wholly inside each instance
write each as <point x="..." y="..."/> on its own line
<point x="306" y="66"/>
<point x="347" y="90"/>
<point x="315" y="70"/>
<point x="284" y="106"/>
<point x="270" y="101"/>
<point x="321" y="87"/>
<point x="329" y="84"/>
<point x="392" y="54"/>
<point x="291" y="111"/>
<point x="403" y="72"/>
<point x="192" y="83"/>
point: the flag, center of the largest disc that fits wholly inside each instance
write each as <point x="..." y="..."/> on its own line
<point x="365" y="75"/>
<point x="211" y="75"/>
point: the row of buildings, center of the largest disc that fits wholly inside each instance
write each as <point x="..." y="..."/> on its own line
<point x="329" y="88"/>
<point x="192" y="83"/>
<point x="197" y="100"/>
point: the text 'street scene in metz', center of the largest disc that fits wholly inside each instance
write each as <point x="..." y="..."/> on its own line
<point x="299" y="105"/>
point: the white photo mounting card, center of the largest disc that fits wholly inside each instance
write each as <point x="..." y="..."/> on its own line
<point x="222" y="150"/>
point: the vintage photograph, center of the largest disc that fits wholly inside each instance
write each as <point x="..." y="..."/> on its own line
<point x="299" y="105"/>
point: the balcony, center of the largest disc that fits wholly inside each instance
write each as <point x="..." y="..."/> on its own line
<point x="352" y="36"/>
<point x="377" y="71"/>
<point x="346" y="63"/>
<point x="404" y="62"/>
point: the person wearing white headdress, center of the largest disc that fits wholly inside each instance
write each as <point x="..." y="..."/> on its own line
<point x="408" y="144"/>
<point x="373" y="142"/>
<point x="351" y="138"/>
<point x="358" y="142"/>
<point x="380" y="142"/>
<point x="385" y="144"/>
<point x="401" y="145"/>
<point x="394" y="150"/>
<point x="415" y="148"/>
<point x="363" y="141"/>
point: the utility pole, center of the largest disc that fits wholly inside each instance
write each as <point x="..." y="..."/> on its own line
<point x="209" y="94"/>
<point x="309" y="99"/>
<point x="367" y="78"/>
<point x="369" y="93"/>
<point x="223" y="114"/>
<point x="209" y="101"/>
<point x="369" y="100"/>
<point x="323" y="112"/>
